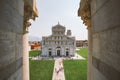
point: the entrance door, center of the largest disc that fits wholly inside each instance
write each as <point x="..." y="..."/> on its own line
<point x="58" y="52"/>
<point x="67" y="53"/>
<point x="50" y="53"/>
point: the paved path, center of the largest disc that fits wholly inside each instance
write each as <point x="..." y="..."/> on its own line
<point x="58" y="73"/>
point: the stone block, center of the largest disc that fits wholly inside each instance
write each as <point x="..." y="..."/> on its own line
<point x="11" y="31"/>
<point x="106" y="70"/>
<point x="8" y="48"/>
<point x="17" y="5"/>
<point x="96" y="48"/>
<point x="20" y="7"/>
<point x="98" y="75"/>
<point x="12" y="71"/>
<point x="96" y="5"/>
<point x="10" y="17"/>
<point x="16" y="75"/>
<point x="106" y="17"/>
<point x="18" y="45"/>
<point x="110" y="48"/>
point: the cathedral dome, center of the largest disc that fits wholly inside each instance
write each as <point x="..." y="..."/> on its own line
<point x="58" y="28"/>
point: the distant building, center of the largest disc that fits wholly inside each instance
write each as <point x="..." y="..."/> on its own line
<point x="81" y="43"/>
<point x="34" y="45"/>
<point x="58" y="44"/>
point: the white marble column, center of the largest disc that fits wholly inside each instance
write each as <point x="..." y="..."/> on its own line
<point x="90" y="71"/>
<point x="25" y="57"/>
<point x="28" y="9"/>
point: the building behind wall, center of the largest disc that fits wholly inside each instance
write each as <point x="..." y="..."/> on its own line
<point x="82" y="43"/>
<point x="35" y="45"/>
<point x="58" y="44"/>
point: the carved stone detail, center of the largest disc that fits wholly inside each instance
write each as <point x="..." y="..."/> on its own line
<point x="30" y="12"/>
<point x="85" y="12"/>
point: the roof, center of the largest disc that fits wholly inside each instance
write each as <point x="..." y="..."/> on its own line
<point x="58" y="26"/>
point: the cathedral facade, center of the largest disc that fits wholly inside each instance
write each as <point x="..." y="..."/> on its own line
<point x="58" y="43"/>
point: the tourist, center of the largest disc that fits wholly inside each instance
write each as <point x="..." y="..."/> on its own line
<point x="55" y="70"/>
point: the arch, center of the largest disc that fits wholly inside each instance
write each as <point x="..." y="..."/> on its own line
<point x="50" y="53"/>
<point x="67" y="53"/>
<point x="58" y="47"/>
<point x="58" y="51"/>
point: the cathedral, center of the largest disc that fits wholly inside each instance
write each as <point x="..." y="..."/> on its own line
<point x="59" y="43"/>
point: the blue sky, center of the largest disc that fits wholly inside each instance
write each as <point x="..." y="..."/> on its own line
<point x="52" y="11"/>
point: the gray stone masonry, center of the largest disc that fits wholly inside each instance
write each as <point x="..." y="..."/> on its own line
<point x="11" y="31"/>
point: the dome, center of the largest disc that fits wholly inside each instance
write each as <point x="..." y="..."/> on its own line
<point x="57" y="29"/>
<point x="58" y="26"/>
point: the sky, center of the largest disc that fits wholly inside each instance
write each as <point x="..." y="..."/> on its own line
<point x="53" y="11"/>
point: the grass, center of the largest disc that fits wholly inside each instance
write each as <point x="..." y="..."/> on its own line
<point x="34" y="53"/>
<point x="83" y="52"/>
<point x="76" y="69"/>
<point x="41" y="69"/>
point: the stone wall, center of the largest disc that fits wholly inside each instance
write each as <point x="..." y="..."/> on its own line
<point x="105" y="23"/>
<point x="104" y="38"/>
<point x="11" y="31"/>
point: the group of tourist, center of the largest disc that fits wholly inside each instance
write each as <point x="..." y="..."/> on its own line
<point x="60" y="68"/>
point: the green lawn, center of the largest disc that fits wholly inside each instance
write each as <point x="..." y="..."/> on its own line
<point x="34" y="53"/>
<point x="83" y="52"/>
<point x="41" y="69"/>
<point x="76" y="69"/>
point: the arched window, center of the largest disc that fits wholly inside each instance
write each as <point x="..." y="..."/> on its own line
<point x="67" y="49"/>
<point x="50" y="49"/>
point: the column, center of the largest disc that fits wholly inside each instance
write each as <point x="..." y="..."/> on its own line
<point x="90" y="71"/>
<point x="25" y="57"/>
<point x="30" y="12"/>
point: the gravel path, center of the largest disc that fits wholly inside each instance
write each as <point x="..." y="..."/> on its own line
<point x="58" y="73"/>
